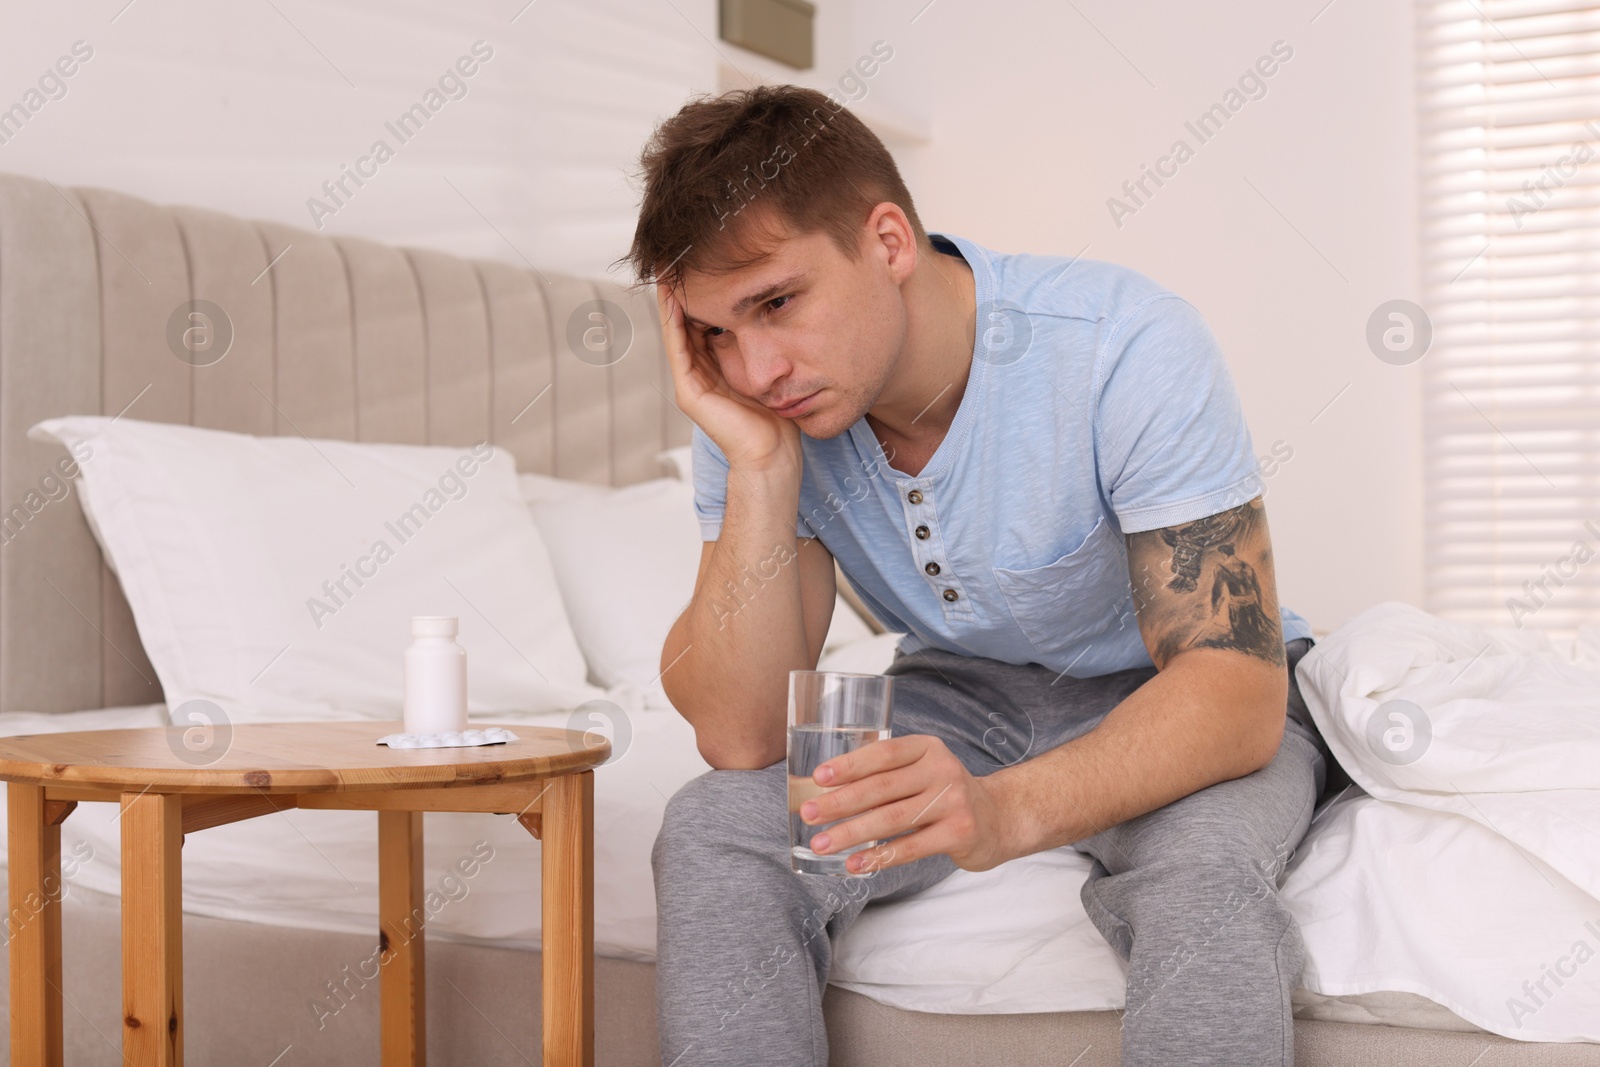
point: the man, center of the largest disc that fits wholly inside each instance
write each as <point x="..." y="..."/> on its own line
<point x="1037" y="469"/>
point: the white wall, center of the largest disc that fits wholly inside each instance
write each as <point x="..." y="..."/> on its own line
<point x="1286" y="229"/>
<point x="1013" y="123"/>
<point x="246" y="110"/>
<point x="251" y="108"/>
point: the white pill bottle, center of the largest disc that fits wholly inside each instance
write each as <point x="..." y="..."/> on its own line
<point x="435" y="676"/>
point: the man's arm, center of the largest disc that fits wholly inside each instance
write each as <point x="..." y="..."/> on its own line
<point x="1207" y="604"/>
<point x="762" y="605"/>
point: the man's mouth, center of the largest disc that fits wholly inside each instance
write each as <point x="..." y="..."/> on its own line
<point x="794" y="406"/>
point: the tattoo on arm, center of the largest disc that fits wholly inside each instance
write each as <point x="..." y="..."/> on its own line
<point x="1208" y="584"/>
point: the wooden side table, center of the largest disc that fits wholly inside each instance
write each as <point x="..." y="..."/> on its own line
<point x="168" y="787"/>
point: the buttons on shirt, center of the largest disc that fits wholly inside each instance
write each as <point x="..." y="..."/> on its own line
<point x="918" y="504"/>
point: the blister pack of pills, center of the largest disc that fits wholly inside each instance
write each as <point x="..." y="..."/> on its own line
<point x="493" y="735"/>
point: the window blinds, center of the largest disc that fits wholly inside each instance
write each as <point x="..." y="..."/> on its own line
<point x="1509" y="136"/>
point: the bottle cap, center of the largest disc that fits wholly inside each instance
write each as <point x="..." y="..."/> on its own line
<point x="434" y="625"/>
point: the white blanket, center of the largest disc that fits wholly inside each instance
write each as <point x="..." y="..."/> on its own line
<point x="1483" y="750"/>
<point x="1515" y="734"/>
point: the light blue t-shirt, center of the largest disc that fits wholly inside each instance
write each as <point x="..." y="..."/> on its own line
<point x="1098" y="405"/>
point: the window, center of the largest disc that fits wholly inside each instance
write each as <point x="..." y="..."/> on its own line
<point x="1509" y="98"/>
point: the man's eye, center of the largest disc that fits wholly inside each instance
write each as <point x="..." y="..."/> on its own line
<point x="777" y="303"/>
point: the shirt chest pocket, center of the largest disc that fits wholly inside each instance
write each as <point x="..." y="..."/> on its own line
<point x="1080" y="595"/>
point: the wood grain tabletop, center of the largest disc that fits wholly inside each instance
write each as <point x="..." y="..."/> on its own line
<point x="299" y="757"/>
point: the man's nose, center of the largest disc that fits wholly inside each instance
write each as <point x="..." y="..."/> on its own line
<point x="764" y="364"/>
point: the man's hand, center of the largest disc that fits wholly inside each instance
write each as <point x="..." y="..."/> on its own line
<point x="749" y="434"/>
<point x="912" y="782"/>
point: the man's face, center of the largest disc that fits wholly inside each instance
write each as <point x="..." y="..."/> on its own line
<point x="804" y="320"/>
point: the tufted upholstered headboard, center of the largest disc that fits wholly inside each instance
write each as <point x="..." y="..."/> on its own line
<point x="332" y="338"/>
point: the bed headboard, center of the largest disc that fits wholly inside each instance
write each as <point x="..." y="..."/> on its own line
<point x="332" y="337"/>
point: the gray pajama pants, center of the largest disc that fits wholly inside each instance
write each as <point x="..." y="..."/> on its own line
<point x="1186" y="894"/>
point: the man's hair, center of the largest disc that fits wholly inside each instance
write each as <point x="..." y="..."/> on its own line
<point x="727" y="175"/>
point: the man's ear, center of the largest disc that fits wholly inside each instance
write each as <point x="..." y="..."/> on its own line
<point x="890" y="235"/>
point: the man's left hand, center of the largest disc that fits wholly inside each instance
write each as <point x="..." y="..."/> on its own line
<point x="912" y="782"/>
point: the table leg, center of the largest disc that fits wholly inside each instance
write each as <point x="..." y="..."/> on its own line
<point x="568" y="926"/>
<point x="33" y="927"/>
<point x="401" y="915"/>
<point x="152" y="929"/>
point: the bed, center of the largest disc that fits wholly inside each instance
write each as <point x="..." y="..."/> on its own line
<point x="1429" y="914"/>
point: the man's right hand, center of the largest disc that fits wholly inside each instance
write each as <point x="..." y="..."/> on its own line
<point x="750" y="435"/>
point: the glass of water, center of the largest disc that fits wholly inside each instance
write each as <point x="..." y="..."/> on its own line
<point x="830" y="713"/>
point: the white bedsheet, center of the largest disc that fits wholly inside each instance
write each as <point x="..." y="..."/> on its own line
<point x="1401" y="890"/>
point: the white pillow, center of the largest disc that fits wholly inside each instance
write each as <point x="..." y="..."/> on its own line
<point x="846" y="626"/>
<point x="868" y="655"/>
<point x="626" y="560"/>
<point x="532" y="487"/>
<point x="276" y="576"/>
<point x="675" y="462"/>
